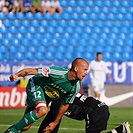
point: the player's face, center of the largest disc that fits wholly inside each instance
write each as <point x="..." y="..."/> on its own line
<point x="82" y="71"/>
<point x="99" y="57"/>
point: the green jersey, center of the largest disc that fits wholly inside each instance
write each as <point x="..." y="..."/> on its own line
<point x="55" y="84"/>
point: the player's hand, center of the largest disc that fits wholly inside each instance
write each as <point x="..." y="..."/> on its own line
<point x="110" y="80"/>
<point x="50" y="128"/>
<point x="13" y="77"/>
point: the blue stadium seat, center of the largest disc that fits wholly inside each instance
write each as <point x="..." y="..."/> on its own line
<point x="107" y="3"/>
<point x="29" y="16"/>
<point x="87" y="9"/>
<point x="44" y="42"/>
<point x="39" y="56"/>
<point x="109" y="49"/>
<point x="60" y="30"/>
<point x="20" y="16"/>
<point x="88" y="56"/>
<point x="94" y="36"/>
<point x="93" y="16"/>
<point x="72" y="3"/>
<point x="50" y="30"/>
<point x="114" y="10"/>
<point x="78" y="54"/>
<point x="116" y="3"/>
<point x="26" y="42"/>
<point x="9" y="36"/>
<point x="81" y="23"/>
<point x="72" y="23"/>
<point x="64" y="42"/>
<point x="120" y="16"/>
<point x="96" y="10"/>
<point x="126" y="3"/>
<point x="42" y="49"/>
<point x="38" y="16"/>
<point x="113" y="36"/>
<point x="49" y="56"/>
<point x="90" y="23"/>
<point x="68" y="56"/>
<point x="22" y="49"/>
<point x="111" y="16"/>
<point x="2" y="16"/>
<point x="28" y="36"/>
<point x="30" y="56"/>
<point x="16" y="23"/>
<point x="69" y="29"/>
<point x="22" y="29"/>
<point x="48" y="36"/>
<point x="13" y="29"/>
<point x="127" y="23"/>
<point x="126" y="56"/>
<point x="54" y="42"/>
<point x="3" y="49"/>
<point x="31" y="49"/>
<point x="101" y="42"/>
<point x="118" y="49"/>
<point x="102" y="16"/>
<point x="128" y="16"/>
<point x="67" y="36"/>
<point x="123" y="10"/>
<point x="3" y="30"/>
<point x="25" y="23"/>
<point x="47" y="16"/>
<point x="70" y="49"/>
<point x="82" y="3"/>
<point x="128" y="49"/>
<point x="106" y="30"/>
<point x="105" y="9"/>
<point x="11" y="16"/>
<point x="90" y="3"/>
<point x="54" y="23"/>
<point x="98" y="23"/>
<point x="74" y="16"/>
<point x="84" y="16"/>
<point x="80" y="48"/>
<point x="107" y="56"/>
<point x="97" y="30"/>
<point x="19" y="56"/>
<point x="56" y="16"/>
<point x="35" y="42"/>
<point x="111" y="42"/>
<point x="15" y="42"/>
<point x="75" y="36"/>
<point x="12" y="49"/>
<point x="69" y="9"/>
<point x="99" y="49"/>
<point x="78" y="9"/>
<point x="92" y="42"/>
<point x="104" y="36"/>
<point x="89" y="48"/>
<point x="122" y="36"/>
<point x="117" y="56"/>
<point x="32" y="30"/>
<point x="120" y="42"/>
<point x="99" y="3"/>
<point x="125" y="30"/>
<point x="51" y="49"/>
<point x="61" y="49"/>
<point x="64" y="3"/>
<point x="79" y="30"/>
<point x="35" y="23"/>
<point x="59" y="56"/>
<point x="65" y="16"/>
<point x="41" y="29"/>
<point x="19" y="36"/>
<point x="115" y="30"/>
<point x="117" y="23"/>
<point x="1" y="36"/>
<point x="62" y="23"/>
<point x="44" y="23"/>
<point x="7" y="22"/>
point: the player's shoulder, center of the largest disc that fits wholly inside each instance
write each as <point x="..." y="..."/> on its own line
<point x="57" y="70"/>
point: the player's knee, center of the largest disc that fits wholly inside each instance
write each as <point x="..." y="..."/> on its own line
<point x="40" y="109"/>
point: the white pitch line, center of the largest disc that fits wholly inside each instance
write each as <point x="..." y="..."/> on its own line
<point x="1" y="125"/>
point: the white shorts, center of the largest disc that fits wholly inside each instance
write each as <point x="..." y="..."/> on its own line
<point x="97" y="85"/>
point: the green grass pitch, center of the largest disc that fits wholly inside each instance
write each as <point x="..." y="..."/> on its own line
<point x="118" y="115"/>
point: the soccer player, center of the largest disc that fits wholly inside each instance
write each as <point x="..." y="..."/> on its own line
<point x="98" y="71"/>
<point x="94" y="112"/>
<point x="48" y="84"/>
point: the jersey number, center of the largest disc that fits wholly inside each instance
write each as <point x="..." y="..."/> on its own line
<point x="37" y="94"/>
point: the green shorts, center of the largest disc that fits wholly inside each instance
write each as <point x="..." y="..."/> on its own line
<point x="34" y="93"/>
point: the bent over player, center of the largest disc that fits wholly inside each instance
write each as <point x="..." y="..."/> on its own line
<point x="94" y="112"/>
<point x="48" y="84"/>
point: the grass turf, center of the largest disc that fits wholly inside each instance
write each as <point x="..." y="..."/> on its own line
<point x="118" y="115"/>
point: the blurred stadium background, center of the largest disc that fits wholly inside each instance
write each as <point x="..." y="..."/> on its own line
<point x="84" y="28"/>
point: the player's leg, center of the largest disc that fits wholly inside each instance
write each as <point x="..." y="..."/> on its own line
<point x="96" y="89"/>
<point x="35" y="97"/>
<point x="96" y="121"/>
<point x="123" y="128"/>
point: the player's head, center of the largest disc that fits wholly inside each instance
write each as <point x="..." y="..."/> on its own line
<point x="99" y="56"/>
<point x="80" y="68"/>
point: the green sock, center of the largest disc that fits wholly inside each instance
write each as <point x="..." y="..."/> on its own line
<point x="26" y="120"/>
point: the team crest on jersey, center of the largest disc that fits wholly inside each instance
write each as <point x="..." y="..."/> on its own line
<point x="51" y="92"/>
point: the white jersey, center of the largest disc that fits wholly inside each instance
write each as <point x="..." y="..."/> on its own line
<point x="98" y="70"/>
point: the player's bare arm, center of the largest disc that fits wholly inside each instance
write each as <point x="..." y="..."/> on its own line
<point x="52" y="125"/>
<point x="23" y="73"/>
<point x="109" y="76"/>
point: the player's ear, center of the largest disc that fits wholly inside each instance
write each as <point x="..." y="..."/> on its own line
<point x="76" y="68"/>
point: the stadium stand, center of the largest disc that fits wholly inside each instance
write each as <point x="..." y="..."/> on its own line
<point x="84" y="28"/>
